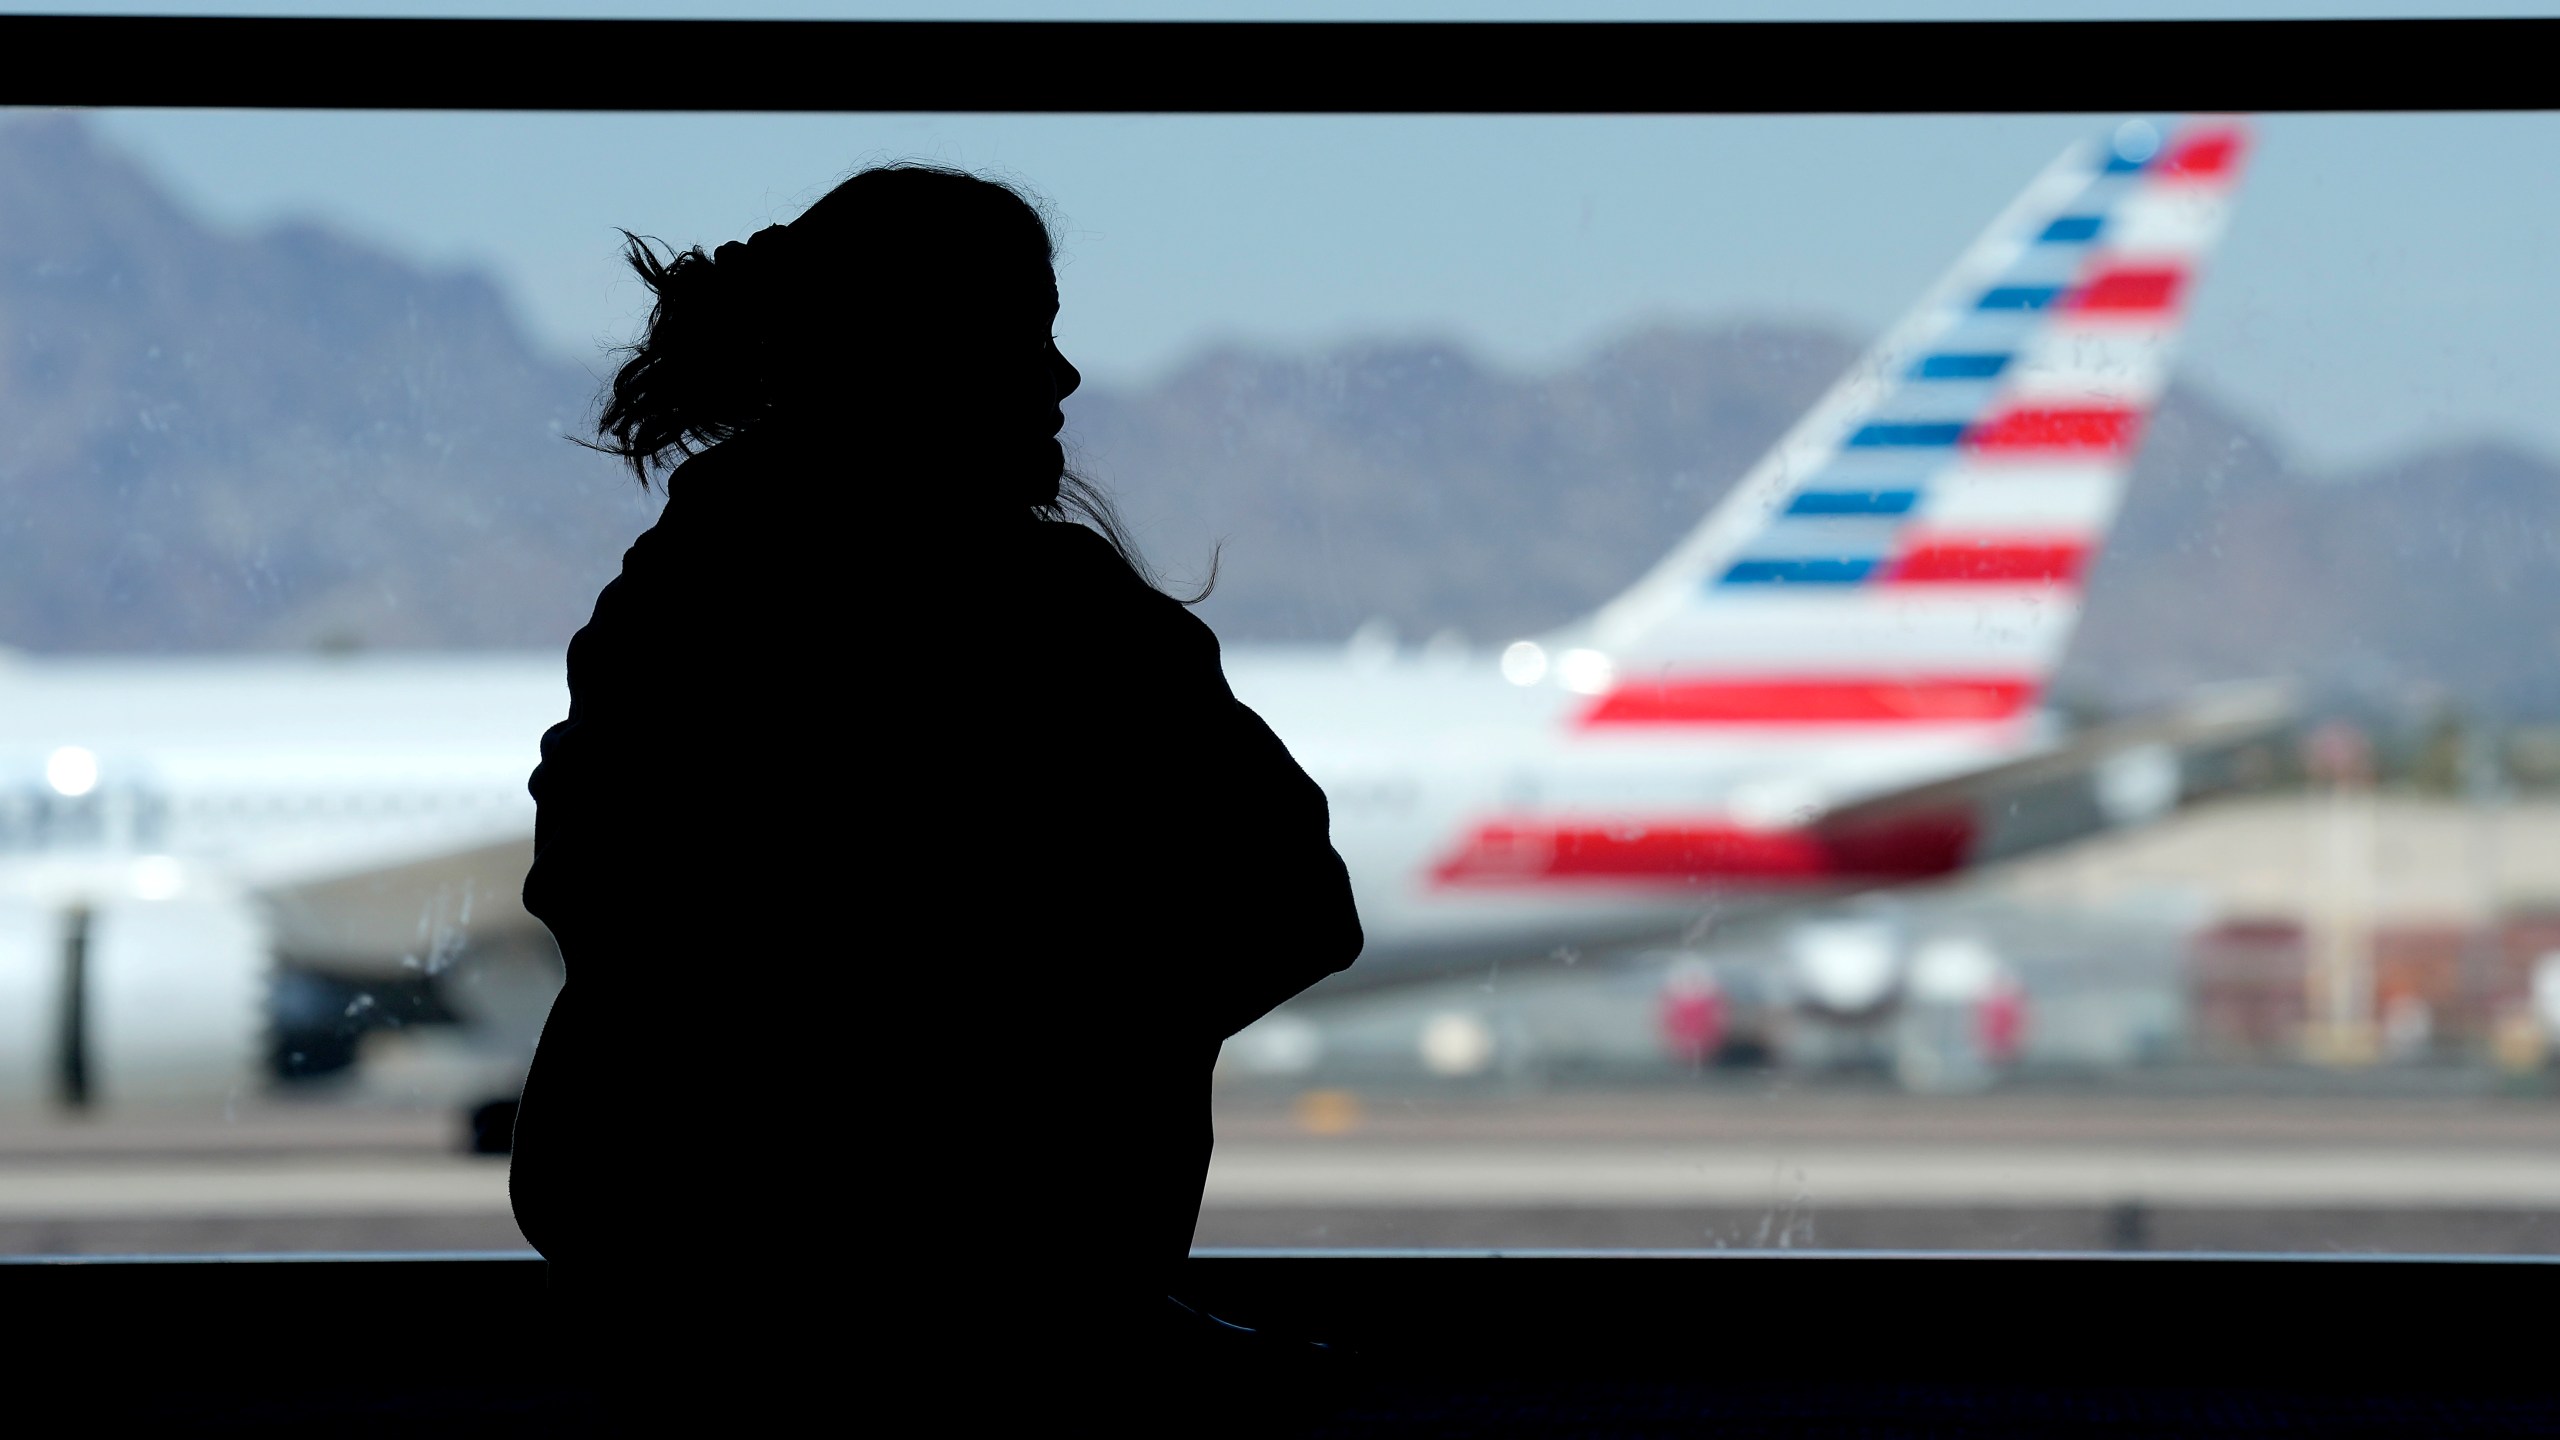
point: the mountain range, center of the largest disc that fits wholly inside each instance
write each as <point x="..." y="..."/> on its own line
<point x="294" y="438"/>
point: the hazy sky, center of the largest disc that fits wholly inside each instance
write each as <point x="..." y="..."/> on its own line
<point x="2386" y="281"/>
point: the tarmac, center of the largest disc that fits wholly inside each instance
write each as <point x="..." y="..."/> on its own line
<point x="1658" y="1167"/>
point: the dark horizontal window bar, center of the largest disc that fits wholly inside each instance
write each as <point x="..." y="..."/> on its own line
<point x="1950" y="67"/>
<point x="1426" y="1343"/>
<point x="1734" y="1317"/>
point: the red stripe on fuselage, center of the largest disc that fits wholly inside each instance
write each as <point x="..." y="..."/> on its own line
<point x="1813" y="700"/>
<point x="1947" y="560"/>
<point x="2108" y="429"/>
<point x="1682" y="854"/>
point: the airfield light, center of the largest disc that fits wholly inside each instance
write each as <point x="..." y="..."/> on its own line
<point x="1844" y="967"/>
<point x="1954" y="970"/>
<point x="71" y="770"/>
<point x="2138" y="784"/>
<point x="1455" y="1042"/>
<point x="1277" y="1044"/>
<point x="1327" y="1112"/>
<point x="1523" y="663"/>
<point x="158" y="877"/>
<point x="2546" y="993"/>
<point x="1585" y="672"/>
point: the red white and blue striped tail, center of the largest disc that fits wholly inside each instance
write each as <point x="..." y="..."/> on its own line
<point x="1913" y="552"/>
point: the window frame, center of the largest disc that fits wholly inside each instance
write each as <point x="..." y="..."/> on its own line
<point x="1643" y="1308"/>
<point x="1288" y="67"/>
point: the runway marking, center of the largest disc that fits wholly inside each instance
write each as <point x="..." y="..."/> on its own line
<point x="1458" y="1178"/>
<point x="296" y="1187"/>
<point x="1619" y="1175"/>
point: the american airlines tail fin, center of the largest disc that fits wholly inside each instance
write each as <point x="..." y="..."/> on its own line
<point x="1914" y="549"/>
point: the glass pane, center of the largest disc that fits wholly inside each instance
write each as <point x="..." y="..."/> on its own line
<point x="1844" y="735"/>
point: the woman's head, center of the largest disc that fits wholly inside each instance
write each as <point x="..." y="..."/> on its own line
<point x="909" y="310"/>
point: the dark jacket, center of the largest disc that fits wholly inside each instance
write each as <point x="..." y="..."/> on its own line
<point x="910" y="862"/>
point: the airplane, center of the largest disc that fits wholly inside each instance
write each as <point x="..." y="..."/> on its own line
<point x="219" y="871"/>
<point x="1833" y="681"/>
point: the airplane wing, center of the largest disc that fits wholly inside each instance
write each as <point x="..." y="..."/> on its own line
<point x="403" y="913"/>
<point x="2113" y="775"/>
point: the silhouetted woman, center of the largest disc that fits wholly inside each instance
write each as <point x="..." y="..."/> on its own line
<point x="909" y="854"/>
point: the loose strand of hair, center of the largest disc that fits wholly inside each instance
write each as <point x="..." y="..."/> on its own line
<point x="1081" y="500"/>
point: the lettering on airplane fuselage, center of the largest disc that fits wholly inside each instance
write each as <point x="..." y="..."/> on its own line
<point x="35" y="818"/>
<point x="1394" y="796"/>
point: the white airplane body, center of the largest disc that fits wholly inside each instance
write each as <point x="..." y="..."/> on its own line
<point x="1818" y="689"/>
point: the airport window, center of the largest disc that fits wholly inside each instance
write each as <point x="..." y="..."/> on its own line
<point x="1895" y="682"/>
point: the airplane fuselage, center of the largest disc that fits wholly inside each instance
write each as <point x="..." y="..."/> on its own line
<point x="245" y="773"/>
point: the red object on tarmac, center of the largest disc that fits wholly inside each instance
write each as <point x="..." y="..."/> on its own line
<point x="1693" y="1019"/>
<point x="2001" y="1021"/>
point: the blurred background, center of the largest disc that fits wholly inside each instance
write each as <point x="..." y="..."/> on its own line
<point x="294" y="535"/>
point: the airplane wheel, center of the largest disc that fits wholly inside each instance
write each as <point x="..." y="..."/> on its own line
<point x="492" y="1128"/>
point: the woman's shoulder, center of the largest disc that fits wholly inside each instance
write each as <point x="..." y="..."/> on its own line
<point x="1078" y="579"/>
<point x="1077" y="555"/>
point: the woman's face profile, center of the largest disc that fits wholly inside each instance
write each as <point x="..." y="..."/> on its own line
<point x="1061" y="380"/>
<point x="979" y="367"/>
<point x="1030" y="390"/>
<point x="1063" y="377"/>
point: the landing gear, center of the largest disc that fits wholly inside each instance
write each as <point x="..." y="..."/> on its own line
<point x="491" y="1128"/>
